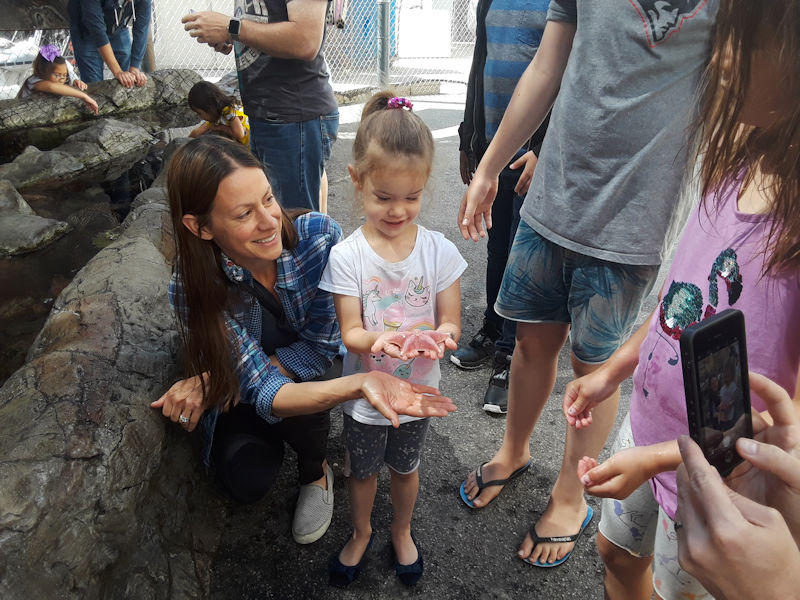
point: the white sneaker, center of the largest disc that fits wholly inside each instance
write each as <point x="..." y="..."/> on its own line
<point x="312" y="515"/>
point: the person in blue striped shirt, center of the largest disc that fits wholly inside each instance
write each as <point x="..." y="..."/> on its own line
<point x="507" y="35"/>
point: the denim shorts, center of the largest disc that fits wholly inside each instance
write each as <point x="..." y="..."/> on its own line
<point x="369" y="446"/>
<point x="600" y="300"/>
<point x="294" y="155"/>
<point x="639" y="525"/>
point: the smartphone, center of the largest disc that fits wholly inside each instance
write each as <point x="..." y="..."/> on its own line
<point x="714" y="359"/>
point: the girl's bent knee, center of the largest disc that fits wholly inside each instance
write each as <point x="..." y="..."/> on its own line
<point x="615" y="558"/>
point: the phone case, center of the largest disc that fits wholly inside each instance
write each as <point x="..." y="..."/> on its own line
<point x="701" y="340"/>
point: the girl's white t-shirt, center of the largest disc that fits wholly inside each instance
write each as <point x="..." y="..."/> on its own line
<point x="397" y="296"/>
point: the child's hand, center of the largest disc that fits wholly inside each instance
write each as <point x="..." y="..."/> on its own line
<point x="583" y="394"/>
<point x="619" y="476"/>
<point x="79" y="84"/>
<point x="408" y="344"/>
<point x="389" y="343"/>
<point x="447" y="343"/>
<point x="90" y="102"/>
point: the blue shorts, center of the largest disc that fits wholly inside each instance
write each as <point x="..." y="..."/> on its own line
<point x="600" y="300"/>
<point x="369" y="446"/>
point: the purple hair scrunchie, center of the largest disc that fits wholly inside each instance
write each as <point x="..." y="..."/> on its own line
<point x="50" y="52"/>
<point x="398" y="102"/>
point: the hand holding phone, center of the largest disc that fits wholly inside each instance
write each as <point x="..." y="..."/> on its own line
<point x="715" y="379"/>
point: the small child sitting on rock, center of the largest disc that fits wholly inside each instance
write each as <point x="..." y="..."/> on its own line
<point x="52" y="74"/>
<point x="221" y="113"/>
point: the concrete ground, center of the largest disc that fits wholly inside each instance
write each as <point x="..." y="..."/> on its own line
<point x="468" y="554"/>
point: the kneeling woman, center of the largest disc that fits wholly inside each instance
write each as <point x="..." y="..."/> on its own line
<point x="254" y="324"/>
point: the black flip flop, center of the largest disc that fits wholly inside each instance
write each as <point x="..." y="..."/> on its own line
<point x="484" y="484"/>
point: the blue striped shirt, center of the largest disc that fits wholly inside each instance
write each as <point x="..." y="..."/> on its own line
<point x="513" y="34"/>
<point x="308" y="309"/>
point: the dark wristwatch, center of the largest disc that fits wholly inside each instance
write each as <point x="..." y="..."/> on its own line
<point x="234" y="25"/>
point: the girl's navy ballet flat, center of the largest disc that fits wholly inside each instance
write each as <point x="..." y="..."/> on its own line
<point x="340" y="575"/>
<point x="409" y="574"/>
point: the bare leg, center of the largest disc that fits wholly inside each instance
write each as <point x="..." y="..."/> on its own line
<point x="567" y="507"/>
<point x="323" y="193"/>
<point x="627" y="577"/>
<point x="404" y="489"/>
<point x="362" y="496"/>
<point x="533" y="374"/>
<point x="323" y="481"/>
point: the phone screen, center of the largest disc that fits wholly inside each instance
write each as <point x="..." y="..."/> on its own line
<point x="723" y="404"/>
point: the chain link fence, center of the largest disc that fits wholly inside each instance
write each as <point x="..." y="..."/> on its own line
<point x="428" y="40"/>
<point x="17" y="51"/>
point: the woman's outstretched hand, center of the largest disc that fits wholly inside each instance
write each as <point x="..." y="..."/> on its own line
<point x="393" y="396"/>
<point x="183" y="402"/>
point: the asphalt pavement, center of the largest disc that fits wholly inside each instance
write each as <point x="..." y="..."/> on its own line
<point x="468" y="553"/>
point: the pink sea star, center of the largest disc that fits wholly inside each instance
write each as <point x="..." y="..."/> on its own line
<point x="417" y="341"/>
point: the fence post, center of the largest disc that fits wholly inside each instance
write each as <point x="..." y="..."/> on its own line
<point x="384" y="41"/>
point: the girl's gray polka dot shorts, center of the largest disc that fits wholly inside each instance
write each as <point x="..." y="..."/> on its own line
<point x="369" y="446"/>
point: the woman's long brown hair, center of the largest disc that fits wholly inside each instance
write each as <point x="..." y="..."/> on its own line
<point x="729" y="147"/>
<point x="195" y="173"/>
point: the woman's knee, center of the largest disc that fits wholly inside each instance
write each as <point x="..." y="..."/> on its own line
<point x="247" y="469"/>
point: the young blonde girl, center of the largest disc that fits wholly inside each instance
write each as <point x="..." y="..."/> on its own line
<point x="52" y="74"/>
<point x="221" y="113"/>
<point x="391" y="275"/>
<point x="741" y="249"/>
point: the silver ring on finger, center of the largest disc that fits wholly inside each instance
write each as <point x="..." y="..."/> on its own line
<point x="183" y="419"/>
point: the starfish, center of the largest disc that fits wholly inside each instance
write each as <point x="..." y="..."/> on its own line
<point x="417" y="341"/>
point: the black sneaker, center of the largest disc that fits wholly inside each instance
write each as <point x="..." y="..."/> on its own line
<point x="479" y="350"/>
<point x="496" y="398"/>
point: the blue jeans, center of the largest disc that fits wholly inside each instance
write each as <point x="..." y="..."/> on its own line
<point x="294" y="155"/>
<point x="90" y="63"/>
<point x="505" y="219"/>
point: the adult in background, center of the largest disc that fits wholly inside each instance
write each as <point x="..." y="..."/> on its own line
<point x="600" y="214"/>
<point x="100" y="35"/>
<point x="257" y="330"/>
<point x="507" y="34"/>
<point x="285" y="88"/>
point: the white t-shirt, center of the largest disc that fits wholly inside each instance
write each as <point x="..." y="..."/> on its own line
<point x="394" y="297"/>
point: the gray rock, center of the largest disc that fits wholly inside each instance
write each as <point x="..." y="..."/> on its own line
<point x="100" y="146"/>
<point x="11" y="201"/>
<point x="101" y="497"/>
<point x="21" y="233"/>
<point x="34" y="167"/>
<point x="150" y="196"/>
<point x="104" y="141"/>
<point x="175" y="133"/>
<point x="164" y="88"/>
